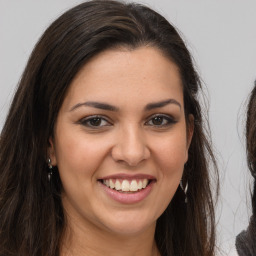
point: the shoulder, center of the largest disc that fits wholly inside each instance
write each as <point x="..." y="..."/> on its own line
<point x="246" y="243"/>
<point x="241" y="244"/>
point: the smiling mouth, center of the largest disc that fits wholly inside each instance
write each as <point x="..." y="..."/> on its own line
<point x="125" y="185"/>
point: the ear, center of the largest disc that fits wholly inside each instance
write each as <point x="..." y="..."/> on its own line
<point x="51" y="152"/>
<point x="190" y="132"/>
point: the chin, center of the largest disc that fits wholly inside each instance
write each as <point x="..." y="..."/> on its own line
<point x="129" y="224"/>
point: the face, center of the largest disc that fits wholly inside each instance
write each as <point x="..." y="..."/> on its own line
<point x="121" y="141"/>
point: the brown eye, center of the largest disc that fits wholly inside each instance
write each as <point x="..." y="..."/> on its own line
<point x="94" y="122"/>
<point x="160" y="120"/>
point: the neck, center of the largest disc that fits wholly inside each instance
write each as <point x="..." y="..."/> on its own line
<point x="81" y="241"/>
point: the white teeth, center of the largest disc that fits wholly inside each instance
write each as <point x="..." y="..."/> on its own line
<point x="118" y="185"/>
<point x="144" y="183"/>
<point x="111" y="184"/>
<point x="134" y="186"/>
<point x="107" y="183"/>
<point x="126" y="185"/>
<point x="140" y="185"/>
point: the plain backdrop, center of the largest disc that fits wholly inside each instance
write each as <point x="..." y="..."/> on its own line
<point x="221" y="36"/>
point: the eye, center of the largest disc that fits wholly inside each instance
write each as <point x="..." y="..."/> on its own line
<point x="94" y="122"/>
<point x="160" y="120"/>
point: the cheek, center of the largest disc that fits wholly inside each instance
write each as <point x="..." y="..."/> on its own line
<point x="172" y="153"/>
<point x="79" y="154"/>
<point x="170" y="160"/>
<point x="78" y="159"/>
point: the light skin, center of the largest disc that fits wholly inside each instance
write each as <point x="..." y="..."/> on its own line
<point x="123" y="115"/>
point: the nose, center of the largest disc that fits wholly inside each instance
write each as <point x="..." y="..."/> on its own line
<point x="130" y="147"/>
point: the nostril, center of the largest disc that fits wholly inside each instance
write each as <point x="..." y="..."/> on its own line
<point x="131" y="149"/>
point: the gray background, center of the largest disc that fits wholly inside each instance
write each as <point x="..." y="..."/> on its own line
<point x="221" y="36"/>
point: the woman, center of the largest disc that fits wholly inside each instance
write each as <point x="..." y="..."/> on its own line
<point x="246" y="240"/>
<point x="103" y="128"/>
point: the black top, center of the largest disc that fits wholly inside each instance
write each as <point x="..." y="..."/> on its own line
<point x="246" y="240"/>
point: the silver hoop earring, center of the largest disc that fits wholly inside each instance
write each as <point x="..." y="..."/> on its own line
<point x="50" y="169"/>
<point x="185" y="189"/>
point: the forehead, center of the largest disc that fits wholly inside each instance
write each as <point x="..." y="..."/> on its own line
<point x="143" y="73"/>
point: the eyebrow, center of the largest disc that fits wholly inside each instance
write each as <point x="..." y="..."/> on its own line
<point x="94" y="104"/>
<point x="105" y="106"/>
<point x="160" y="104"/>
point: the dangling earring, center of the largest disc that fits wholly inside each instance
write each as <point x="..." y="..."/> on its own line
<point x="50" y="169"/>
<point x="184" y="190"/>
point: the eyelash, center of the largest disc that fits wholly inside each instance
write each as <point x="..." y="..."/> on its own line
<point x="168" y="121"/>
<point x="86" y="122"/>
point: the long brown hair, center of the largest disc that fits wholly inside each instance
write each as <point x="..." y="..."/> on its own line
<point x="251" y="140"/>
<point x="251" y="161"/>
<point x="31" y="214"/>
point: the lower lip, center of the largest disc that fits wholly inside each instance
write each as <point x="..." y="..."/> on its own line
<point x="128" y="198"/>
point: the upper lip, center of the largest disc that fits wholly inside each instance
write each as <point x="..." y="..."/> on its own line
<point x="128" y="176"/>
